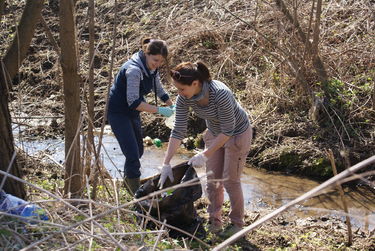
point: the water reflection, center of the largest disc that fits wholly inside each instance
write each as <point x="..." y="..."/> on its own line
<point x="151" y="160"/>
<point x="111" y="155"/>
<point x="264" y="189"/>
<point x="261" y="189"/>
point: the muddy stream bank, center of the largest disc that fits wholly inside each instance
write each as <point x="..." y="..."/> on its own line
<point x="262" y="190"/>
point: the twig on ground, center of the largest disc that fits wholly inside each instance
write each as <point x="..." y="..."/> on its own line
<point x="303" y="197"/>
<point x="159" y="235"/>
<point x="64" y="202"/>
<point x="342" y="196"/>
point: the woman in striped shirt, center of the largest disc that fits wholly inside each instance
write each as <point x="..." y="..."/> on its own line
<point x="227" y="139"/>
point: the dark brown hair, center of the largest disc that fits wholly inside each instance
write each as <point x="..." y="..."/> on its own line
<point x="154" y="47"/>
<point x="186" y="72"/>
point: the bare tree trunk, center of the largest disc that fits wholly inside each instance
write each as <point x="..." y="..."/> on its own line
<point x="2" y="7"/>
<point x="97" y="160"/>
<point x="9" y="66"/>
<point x="91" y="58"/>
<point x="316" y="111"/>
<point x="90" y="105"/>
<point x="7" y="146"/>
<point x="73" y="170"/>
<point x="50" y="36"/>
<point x="317" y="61"/>
<point x="318" y="12"/>
<point x="91" y="145"/>
<point x="25" y="31"/>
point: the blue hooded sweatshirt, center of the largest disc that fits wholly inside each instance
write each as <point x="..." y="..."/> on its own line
<point x="132" y="83"/>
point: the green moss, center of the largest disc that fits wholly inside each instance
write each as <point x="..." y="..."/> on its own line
<point x="290" y="159"/>
<point x="209" y="44"/>
<point x="320" y="167"/>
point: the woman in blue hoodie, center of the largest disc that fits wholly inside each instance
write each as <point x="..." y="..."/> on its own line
<point x="137" y="78"/>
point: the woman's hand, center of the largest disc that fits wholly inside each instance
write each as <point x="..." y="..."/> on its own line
<point x="198" y="160"/>
<point x="169" y="102"/>
<point x="166" y="111"/>
<point x="166" y="172"/>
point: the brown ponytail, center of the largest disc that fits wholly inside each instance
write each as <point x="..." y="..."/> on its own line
<point x="186" y="72"/>
<point x="204" y="72"/>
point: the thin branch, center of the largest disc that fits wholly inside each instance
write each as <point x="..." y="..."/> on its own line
<point x="65" y="203"/>
<point x="8" y="170"/>
<point x="318" y="13"/>
<point x="114" y="33"/>
<point x="342" y="196"/>
<point x="309" y="29"/>
<point x="255" y="29"/>
<point x="303" y="197"/>
<point x="90" y="210"/>
<point x="37" y="117"/>
<point x="49" y="34"/>
<point x="291" y="62"/>
<point x="93" y="218"/>
<point x="90" y="103"/>
<point x="317" y="61"/>
<point x="159" y="235"/>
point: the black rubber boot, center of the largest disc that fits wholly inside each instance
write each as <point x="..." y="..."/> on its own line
<point x="132" y="185"/>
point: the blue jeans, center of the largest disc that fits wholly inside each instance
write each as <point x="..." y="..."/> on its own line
<point x="128" y="133"/>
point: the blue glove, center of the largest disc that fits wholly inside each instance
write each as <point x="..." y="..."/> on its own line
<point x="173" y="107"/>
<point x="165" y="111"/>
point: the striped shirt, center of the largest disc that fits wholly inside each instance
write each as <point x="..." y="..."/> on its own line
<point x="223" y="114"/>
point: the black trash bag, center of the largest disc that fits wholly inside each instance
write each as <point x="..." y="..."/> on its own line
<point x="174" y="206"/>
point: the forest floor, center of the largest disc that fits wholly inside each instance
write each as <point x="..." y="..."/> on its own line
<point x="288" y="139"/>
<point x="286" y="231"/>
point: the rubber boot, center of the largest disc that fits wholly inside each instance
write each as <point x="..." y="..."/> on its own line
<point x="131" y="185"/>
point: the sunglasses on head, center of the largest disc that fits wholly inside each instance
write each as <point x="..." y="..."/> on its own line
<point x="177" y="75"/>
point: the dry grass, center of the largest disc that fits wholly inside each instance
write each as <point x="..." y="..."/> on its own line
<point x="110" y="221"/>
<point x="247" y="48"/>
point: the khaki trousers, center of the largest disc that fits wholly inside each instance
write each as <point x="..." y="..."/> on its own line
<point x="227" y="164"/>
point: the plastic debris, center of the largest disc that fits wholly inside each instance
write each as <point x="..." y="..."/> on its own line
<point x="14" y="205"/>
<point x="169" y="122"/>
<point x="147" y="141"/>
<point x="157" y="142"/>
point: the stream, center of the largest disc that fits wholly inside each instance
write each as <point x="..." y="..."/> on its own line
<point x="262" y="190"/>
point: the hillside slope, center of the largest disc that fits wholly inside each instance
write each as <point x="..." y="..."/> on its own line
<point x="247" y="45"/>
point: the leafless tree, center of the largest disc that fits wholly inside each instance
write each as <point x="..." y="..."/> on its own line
<point x="10" y="64"/>
<point x="311" y="47"/>
<point x="69" y="65"/>
<point x="2" y="7"/>
<point x="90" y="101"/>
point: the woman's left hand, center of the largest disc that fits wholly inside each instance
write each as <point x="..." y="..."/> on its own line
<point x="169" y="102"/>
<point x="165" y="111"/>
<point x="198" y="160"/>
